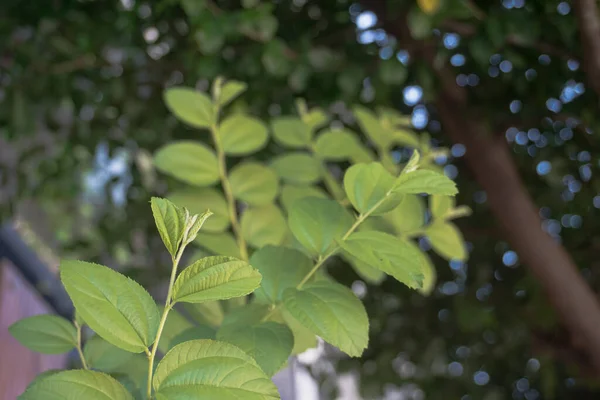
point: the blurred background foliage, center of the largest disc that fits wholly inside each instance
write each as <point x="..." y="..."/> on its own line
<point x="81" y="112"/>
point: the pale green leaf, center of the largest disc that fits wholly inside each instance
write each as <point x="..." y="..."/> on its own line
<point x="269" y="343"/>
<point x="290" y="193"/>
<point x="332" y="312"/>
<point x="297" y="168"/>
<point x="362" y="154"/>
<point x="188" y="161"/>
<point x="447" y="240"/>
<point x="368" y="188"/>
<point x="409" y="216"/>
<point x="193" y="333"/>
<point x="304" y="339"/>
<point x="291" y="132"/>
<point x="194" y="223"/>
<point x="404" y="137"/>
<point x="208" y="369"/>
<point x="395" y="256"/>
<point x="413" y="163"/>
<point x="429" y="276"/>
<point x="47" y="334"/>
<point x="281" y="268"/>
<point x="264" y="225"/>
<point x="76" y="385"/>
<point x="364" y="270"/>
<point x="441" y="205"/>
<point x="215" y="278"/>
<point x="219" y="244"/>
<point x="104" y="356"/>
<point x="315" y="119"/>
<point x="318" y="223"/>
<point x="336" y="144"/>
<point x="425" y="181"/>
<point x="114" y="306"/>
<point x="371" y="126"/>
<point x="198" y="200"/>
<point x="241" y="135"/>
<point x="190" y="106"/>
<point x="170" y="222"/>
<point x="231" y="90"/>
<point x="254" y="183"/>
<point x="209" y="313"/>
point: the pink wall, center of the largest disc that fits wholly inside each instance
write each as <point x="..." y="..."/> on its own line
<point x="19" y="365"/>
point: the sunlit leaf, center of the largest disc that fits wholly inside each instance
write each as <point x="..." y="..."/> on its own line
<point x="241" y="134"/>
<point x="190" y="106"/>
<point x="424" y="181"/>
<point x="188" y="161"/>
<point x="447" y="240"/>
<point x="368" y="187"/>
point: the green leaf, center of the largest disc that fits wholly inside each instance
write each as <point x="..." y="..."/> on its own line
<point x="304" y="339"/>
<point x="220" y="244"/>
<point x="254" y="183"/>
<point x="318" y="223"/>
<point x="413" y="163"/>
<point x="211" y="370"/>
<point x="264" y="225"/>
<point x="215" y="278"/>
<point x="193" y="333"/>
<point x="368" y="188"/>
<point x="281" y="268"/>
<point x="174" y="325"/>
<point x="198" y="200"/>
<point x="190" y="106"/>
<point x="297" y="168"/>
<point x="188" y="161"/>
<point x="291" y="132"/>
<point x="447" y="240"/>
<point x="332" y="312"/>
<point x="291" y="193"/>
<point x="430" y="276"/>
<point x="193" y="226"/>
<point x="76" y="385"/>
<point x="371" y="126"/>
<point x="114" y="306"/>
<point x="104" y="356"/>
<point x="47" y="334"/>
<point x="364" y="270"/>
<point x="242" y="135"/>
<point x="409" y="216"/>
<point x="315" y="119"/>
<point x="395" y="256"/>
<point x="441" y="205"/>
<point x="336" y="144"/>
<point x="170" y="222"/>
<point x="269" y="343"/>
<point x="209" y="313"/>
<point x="231" y="90"/>
<point x="425" y="181"/>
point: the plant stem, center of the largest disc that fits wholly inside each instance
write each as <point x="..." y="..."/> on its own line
<point x="163" y="320"/>
<point x="79" y="350"/>
<point x="235" y="225"/>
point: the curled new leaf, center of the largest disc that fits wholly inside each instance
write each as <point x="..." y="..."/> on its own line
<point x="215" y="278"/>
<point x="47" y="334"/>
<point x="170" y="222"/>
<point x="198" y="200"/>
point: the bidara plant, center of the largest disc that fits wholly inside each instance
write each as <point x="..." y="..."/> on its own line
<point x="237" y="342"/>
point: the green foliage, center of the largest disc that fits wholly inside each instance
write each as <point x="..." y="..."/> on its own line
<point x="47" y="334"/>
<point x="75" y="385"/>
<point x="279" y="254"/>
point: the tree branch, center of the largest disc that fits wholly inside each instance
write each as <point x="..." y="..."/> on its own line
<point x="589" y="28"/>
